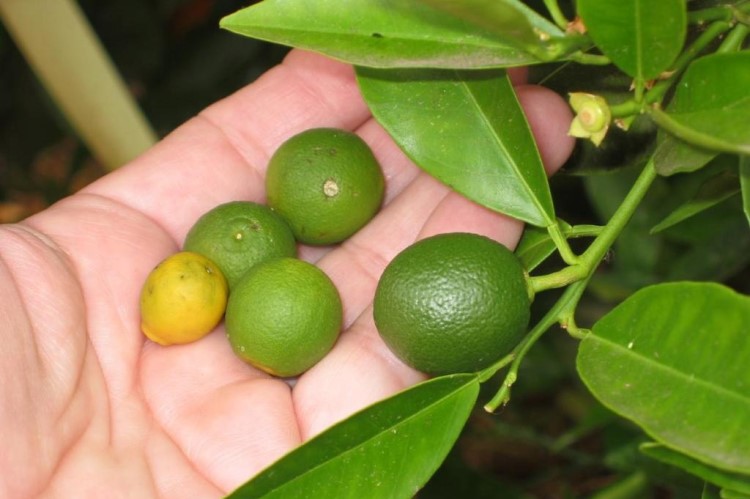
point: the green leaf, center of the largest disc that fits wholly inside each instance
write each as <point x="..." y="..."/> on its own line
<point x="468" y="130"/>
<point x="709" y="112"/>
<point x="673" y="155"/>
<point x="536" y="245"/>
<point x="377" y="33"/>
<point x="633" y="485"/>
<point x="389" y="449"/>
<point x="745" y="184"/>
<point x="641" y="37"/>
<point x="673" y="358"/>
<point x="712" y="492"/>
<point x="734" y="481"/>
<point x="713" y="245"/>
<point x="733" y="494"/>
<point x="711" y="193"/>
<point x="510" y="20"/>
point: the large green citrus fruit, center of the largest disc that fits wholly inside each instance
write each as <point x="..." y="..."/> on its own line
<point x="452" y="303"/>
<point x="326" y="183"/>
<point x="182" y="299"/>
<point x="283" y="316"/>
<point x="238" y="235"/>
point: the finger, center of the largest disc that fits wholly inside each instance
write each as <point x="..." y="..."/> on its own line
<point x="228" y="419"/>
<point x="549" y="118"/>
<point x="221" y="155"/>
<point x="428" y="207"/>
<point x="361" y="369"/>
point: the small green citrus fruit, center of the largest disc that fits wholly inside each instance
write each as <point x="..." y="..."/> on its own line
<point x="238" y="235"/>
<point x="452" y="303"/>
<point x="326" y="183"/>
<point x="283" y="316"/>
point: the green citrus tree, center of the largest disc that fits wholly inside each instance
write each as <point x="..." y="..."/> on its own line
<point x="661" y="95"/>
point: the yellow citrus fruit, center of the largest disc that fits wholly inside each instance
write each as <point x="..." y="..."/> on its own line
<point x="238" y="235"/>
<point x="283" y="316"/>
<point x="452" y="303"/>
<point x="326" y="183"/>
<point x="183" y="299"/>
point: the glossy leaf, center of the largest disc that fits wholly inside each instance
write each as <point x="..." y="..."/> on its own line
<point x="734" y="481"/>
<point x="711" y="193"/>
<point x="377" y="33"/>
<point x="510" y="20"/>
<point x="673" y="358"/>
<point x="673" y="155"/>
<point x="641" y="37"/>
<point x="745" y="184"/>
<point x="387" y="450"/>
<point x="468" y="130"/>
<point x="536" y="245"/>
<point x="711" y="100"/>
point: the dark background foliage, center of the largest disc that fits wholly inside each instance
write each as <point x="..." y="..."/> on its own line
<point x="174" y="59"/>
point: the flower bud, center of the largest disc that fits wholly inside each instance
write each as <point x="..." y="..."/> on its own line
<point x="592" y="117"/>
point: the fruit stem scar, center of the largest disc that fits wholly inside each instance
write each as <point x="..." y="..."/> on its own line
<point x="330" y="188"/>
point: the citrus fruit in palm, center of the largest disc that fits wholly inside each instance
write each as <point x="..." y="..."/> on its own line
<point x="283" y="316"/>
<point x="182" y="299"/>
<point x="451" y="303"/>
<point x="326" y="183"/>
<point x="238" y="235"/>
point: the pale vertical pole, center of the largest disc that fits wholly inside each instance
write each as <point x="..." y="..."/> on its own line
<point x="67" y="56"/>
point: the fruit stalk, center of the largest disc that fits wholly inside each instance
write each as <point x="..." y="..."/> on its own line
<point x="589" y="260"/>
<point x="568" y="300"/>
<point x="576" y="277"/>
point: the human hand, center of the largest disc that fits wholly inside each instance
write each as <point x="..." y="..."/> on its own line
<point x="92" y="409"/>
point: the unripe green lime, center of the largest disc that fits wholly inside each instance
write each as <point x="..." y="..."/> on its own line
<point x="452" y="303"/>
<point x="326" y="183"/>
<point x="283" y="316"/>
<point x="238" y="235"/>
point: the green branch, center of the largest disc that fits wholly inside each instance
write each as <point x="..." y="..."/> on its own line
<point x="576" y="278"/>
<point x="571" y="295"/>
<point x="693" y="136"/>
<point x="556" y="13"/>
<point x="735" y="39"/>
<point x="657" y="92"/>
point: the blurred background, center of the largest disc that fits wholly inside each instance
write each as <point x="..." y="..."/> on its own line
<point x="553" y="440"/>
<point x="173" y="59"/>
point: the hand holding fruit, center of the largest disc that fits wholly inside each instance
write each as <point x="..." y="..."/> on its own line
<point x="101" y="409"/>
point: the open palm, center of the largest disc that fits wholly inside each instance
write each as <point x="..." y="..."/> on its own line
<point x="89" y="408"/>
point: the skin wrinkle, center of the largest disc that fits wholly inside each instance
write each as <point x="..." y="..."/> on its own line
<point x="363" y="257"/>
<point x="305" y="84"/>
<point x="34" y="242"/>
<point x="170" y="439"/>
<point x="229" y="137"/>
<point x="102" y="204"/>
<point x="31" y="238"/>
<point x="369" y="347"/>
<point x="138" y="443"/>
